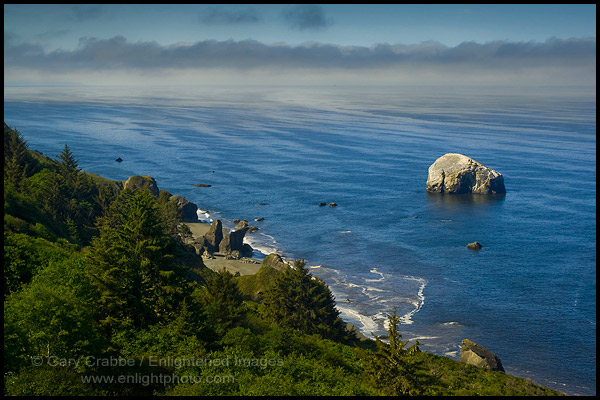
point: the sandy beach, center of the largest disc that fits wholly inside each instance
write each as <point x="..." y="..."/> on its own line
<point x="245" y="266"/>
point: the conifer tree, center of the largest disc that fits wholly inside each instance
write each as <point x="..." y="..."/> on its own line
<point x="392" y="367"/>
<point x="131" y="265"/>
<point x="303" y="302"/>
<point x="222" y="301"/>
<point x="16" y="163"/>
<point x="68" y="167"/>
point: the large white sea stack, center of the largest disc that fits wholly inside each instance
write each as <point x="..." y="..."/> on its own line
<point x="455" y="173"/>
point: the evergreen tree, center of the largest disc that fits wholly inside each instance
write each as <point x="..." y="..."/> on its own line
<point x="16" y="160"/>
<point x="68" y="165"/>
<point x="222" y="302"/>
<point x="392" y="368"/>
<point x="131" y="264"/>
<point x="303" y="302"/>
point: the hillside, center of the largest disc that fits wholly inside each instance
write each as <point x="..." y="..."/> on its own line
<point x="103" y="297"/>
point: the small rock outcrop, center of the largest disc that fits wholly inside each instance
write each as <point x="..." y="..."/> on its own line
<point x="214" y="237"/>
<point x="275" y="261"/>
<point x="187" y="209"/>
<point x="474" y="246"/>
<point x="457" y="174"/>
<point x="119" y="159"/>
<point x="475" y="354"/>
<point x="232" y="245"/>
<point x="142" y="181"/>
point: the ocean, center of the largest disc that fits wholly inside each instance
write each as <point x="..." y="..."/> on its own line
<point x="529" y="294"/>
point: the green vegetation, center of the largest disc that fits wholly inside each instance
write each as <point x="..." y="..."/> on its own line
<point x="102" y="297"/>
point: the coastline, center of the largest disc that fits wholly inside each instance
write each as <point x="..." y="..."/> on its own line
<point x="245" y="266"/>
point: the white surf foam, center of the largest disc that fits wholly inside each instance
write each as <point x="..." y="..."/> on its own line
<point x="424" y="338"/>
<point x="203" y="216"/>
<point x="451" y="323"/>
<point x="407" y="318"/>
<point x="374" y="271"/>
<point x="365" y="323"/>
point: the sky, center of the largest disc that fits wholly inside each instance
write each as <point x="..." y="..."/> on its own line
<point x="299" y="44"/>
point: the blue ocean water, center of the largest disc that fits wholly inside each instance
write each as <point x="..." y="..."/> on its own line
<point x="529" y="295"/>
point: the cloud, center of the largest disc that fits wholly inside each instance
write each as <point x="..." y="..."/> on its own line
<point x="567" y="60"/>
<point x="219" y="15"/>
<point x="306" y="16"/>
<point x="59" y="33"/>
<point x="84" y="12"/>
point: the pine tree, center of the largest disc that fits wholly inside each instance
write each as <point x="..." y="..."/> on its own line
<point x="16" y="160"/>
<point x="222" y="302"/>
<point x="68" y="167"/>
<point x="131" y="265"/>
<point x="392" y="367"/>
<point x="303" y="302"/>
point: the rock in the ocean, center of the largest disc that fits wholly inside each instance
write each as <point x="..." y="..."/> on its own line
<point x="119" y="159"/>
<point x="202" y="184"/>
<point x="332" y="204"/>
<point x="456" y="173"/>
<point x="474" y="246"/>
<point x="475" y="354"/>
<point x="141" y="181"/>
<point x="187" y="208"/>
<point x="322" y="204"/>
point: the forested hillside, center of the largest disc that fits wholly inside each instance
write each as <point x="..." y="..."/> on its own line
<point x="103" y="297"/>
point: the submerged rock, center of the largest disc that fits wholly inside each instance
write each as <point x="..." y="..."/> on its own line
<point x="475" y="354"/>
<point x="455" y="173"/>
